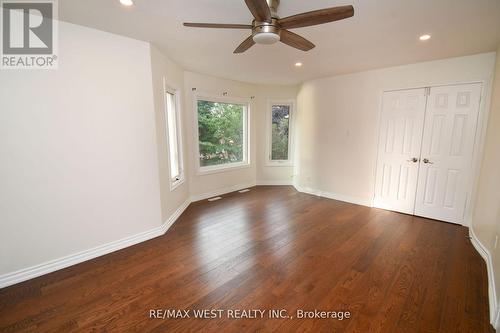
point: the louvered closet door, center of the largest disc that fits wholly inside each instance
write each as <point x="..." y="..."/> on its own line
<point x="401" y="128"/>
<point x="447" y="147"/>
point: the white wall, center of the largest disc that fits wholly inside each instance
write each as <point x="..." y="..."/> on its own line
<point x="79" y="164"/>
<point x="338" y="120"/>
<point x="164" y="69"/>
<point x="486" y="220"/>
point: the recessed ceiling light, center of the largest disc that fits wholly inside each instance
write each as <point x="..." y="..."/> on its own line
<point x="425" y="37"/>
<point x="127" y="2"/>
<point x="298" y="64"/>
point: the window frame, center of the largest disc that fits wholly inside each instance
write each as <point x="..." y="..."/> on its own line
<point x="246" y="163"/>
<point x="178" y="181"/>
<point x="269" y="133"/>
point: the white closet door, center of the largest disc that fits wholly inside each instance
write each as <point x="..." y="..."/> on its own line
<point x="400" y="140"/>
<point x="447" y="146"/>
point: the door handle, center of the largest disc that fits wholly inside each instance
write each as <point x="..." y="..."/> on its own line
<point x="426" y="161"/>
<point x="414" y="160"/>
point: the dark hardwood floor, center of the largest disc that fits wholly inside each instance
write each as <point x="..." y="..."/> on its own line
<point x="271" y="248"/>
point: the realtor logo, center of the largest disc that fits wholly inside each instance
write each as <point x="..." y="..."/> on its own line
<point x="28" y="34"/>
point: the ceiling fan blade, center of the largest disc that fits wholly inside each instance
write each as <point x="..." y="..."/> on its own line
<point x="218" y="25"/>
<point x="247" y="43"/>
<point x="260" y="10"/>
<point x="316" y="17"/>
<point x="291" y="39"/>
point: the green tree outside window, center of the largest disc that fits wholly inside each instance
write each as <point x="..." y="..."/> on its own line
<point x="280" y="132"/>
<point x="220" y="133"/>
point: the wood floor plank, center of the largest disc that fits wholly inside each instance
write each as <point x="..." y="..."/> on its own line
<point x="270" y="248"/>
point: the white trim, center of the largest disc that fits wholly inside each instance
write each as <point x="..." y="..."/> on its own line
<point x="200" y="171"/>
<point x="175" y="184"/>
<point x="175" y="215"/>
<point x="79" y="257"/>
<point x="433" y="85"/>
<point x="291" y="147"/>
<point x="479" y="141"/>
<point x="274" y="183"/>
<point x="492" y="295"/>
<point x="334" y="196"/>
<point x="167" y="89"/>
<point x="209" y="170"/>
<point x="307" y="190"/>
<point x="496" y="321"/>
<point x="279" y="164"/>
<point x="221" y="191"/>
<point x="376" y="146"/>
<point x="212" y="97"/>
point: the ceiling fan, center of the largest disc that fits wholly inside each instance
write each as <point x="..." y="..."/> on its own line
<point x="268" y="28"/>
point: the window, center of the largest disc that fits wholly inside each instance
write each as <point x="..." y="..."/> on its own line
<point x="174" y="139"/>
<point x="279" y="133"/>
<point x="222" y="134"/>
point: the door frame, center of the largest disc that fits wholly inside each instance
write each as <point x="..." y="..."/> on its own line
<point x="479" y="139"/>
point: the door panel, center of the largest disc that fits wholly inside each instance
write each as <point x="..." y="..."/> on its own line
<point x="400" y="138"/>
<point x="448" y="140"/>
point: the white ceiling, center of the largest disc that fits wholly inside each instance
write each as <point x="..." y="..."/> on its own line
<point x="382" y="33"/>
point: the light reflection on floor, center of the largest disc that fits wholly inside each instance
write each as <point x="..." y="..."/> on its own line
<point x="237" y="224"/>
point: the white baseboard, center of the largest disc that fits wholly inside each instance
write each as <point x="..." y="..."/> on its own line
<point x="221" y="191"/>
<point x="175" y="215"/>
<point x="334" y="196"/>
<point x="307" y="190"/>
<point x="76" y="258"/>
<point x="492" y="295"/>
<point x="274" y="182"/>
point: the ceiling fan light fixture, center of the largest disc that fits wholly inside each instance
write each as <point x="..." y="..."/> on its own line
<point x="127" y="3"/>
<point x="425" y="37"/>
<point x="266" y="38"/>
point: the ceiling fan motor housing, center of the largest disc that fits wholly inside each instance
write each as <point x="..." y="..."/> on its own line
<point x="265" y="32"/>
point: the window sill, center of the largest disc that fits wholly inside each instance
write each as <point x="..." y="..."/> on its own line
<point x="284" y="164"/>
<point x="202" y="171"/>
<point x="176" y="184"/>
